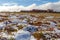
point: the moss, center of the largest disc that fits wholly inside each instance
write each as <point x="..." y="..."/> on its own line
<point x="11" y="39"/>
<point x="39" y="35"/>
<point x="20" y="27"/>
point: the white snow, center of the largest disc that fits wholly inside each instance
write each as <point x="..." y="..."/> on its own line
<point x="56" y="30"/>
<point x="2" y="25"/>
<point x="32" y="38"/>
<point x="52" y="24"/>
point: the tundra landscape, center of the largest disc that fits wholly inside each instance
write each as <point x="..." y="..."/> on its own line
<point x="29" y="26"/>
<point x="29" y="19"/>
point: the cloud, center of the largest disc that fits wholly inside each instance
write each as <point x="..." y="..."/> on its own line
<point x="54" y="6"/>
<point x="11" y="7"/>
<point x="9" y="4"/>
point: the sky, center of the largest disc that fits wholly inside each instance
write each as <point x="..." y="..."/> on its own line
<point x="27" y="2"/>
<point x="18" y="5"/>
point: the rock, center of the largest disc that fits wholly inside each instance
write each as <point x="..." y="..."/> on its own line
<point x="30" y="29"/>
<point x="22" y="35"/>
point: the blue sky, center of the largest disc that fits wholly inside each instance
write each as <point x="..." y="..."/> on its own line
<point x="18" y="5"/>
<point x="27" y="2"/>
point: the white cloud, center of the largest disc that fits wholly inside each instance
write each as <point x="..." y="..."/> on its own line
<point x="54" y="6"/>
<point x="7" y="7"/>
<point x="9" y="4"/>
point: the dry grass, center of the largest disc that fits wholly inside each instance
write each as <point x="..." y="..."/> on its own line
<point x="38" y="14"/>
